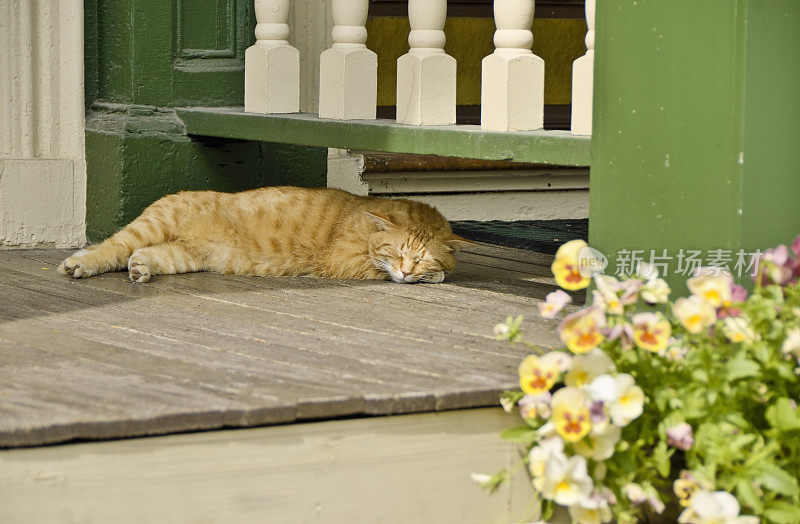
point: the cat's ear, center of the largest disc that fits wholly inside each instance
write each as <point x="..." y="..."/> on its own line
<point x="380" y="219"/>
<point x="454" y="242"/>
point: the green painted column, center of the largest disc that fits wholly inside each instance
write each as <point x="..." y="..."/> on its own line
<point x="696" y="143"/>
<point x="145" y="57"/>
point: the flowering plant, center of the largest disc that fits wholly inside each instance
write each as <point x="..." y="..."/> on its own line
<point x="655" y="407"/>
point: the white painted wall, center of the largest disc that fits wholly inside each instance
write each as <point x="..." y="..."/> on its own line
<point x="42" y="162"/>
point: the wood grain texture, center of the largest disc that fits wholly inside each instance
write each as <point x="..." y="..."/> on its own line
<point x="102" y="358"/>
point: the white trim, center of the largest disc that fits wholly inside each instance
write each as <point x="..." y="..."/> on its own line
<point x="510" y="206"/>
<point x="42" y="161"/>
<point x="475" y="181"/>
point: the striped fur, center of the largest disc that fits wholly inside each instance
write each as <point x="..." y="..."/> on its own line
<point x="278" y="231"/>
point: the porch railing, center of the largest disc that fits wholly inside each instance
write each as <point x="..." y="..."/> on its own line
<point x="512" y="83"/>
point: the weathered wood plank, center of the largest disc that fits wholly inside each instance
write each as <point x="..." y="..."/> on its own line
<point x="104" y="358"/>
<point x="410" y="468"/>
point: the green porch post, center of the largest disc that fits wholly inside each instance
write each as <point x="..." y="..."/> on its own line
<point x="145" y="57"/>
<point x="696" y="142"/>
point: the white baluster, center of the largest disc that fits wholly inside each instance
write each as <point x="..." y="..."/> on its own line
<point x="583" y="80"/>
<point x="348" y="83"/>
<point x="426" y="75"/>
<point x="272" y="66"/>
<point x="512" y="78"/>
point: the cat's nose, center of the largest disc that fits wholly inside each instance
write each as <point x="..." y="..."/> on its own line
<point x="405" y="273"/>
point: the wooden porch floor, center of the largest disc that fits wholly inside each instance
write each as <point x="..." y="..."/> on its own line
<point x="102" y="358"/>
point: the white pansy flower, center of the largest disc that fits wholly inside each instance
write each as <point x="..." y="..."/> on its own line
<point x="587" y="366"/>
<point x="655" y="291"/>
<point x="539" y="454"/>
<point x="714" y="285"/>
<point x="718" y="507"/>
<point x="565" y="481"/>
<point x="531" y="406"/>
<point x="646" y="271"/>
<point x="590" y="510"/>
<point x="622" y="398"/>
<point x="695" y="313"/>
<point x="606" y="294"/>
<point x="548" y="429"/>
<point x="557" y="359"/>
<point x="599" y="445"/>
<point x="675" y="350"/>
<point x="739" y="329"/>
<point x="553" y="303"/>
<point x="791" y="345"/>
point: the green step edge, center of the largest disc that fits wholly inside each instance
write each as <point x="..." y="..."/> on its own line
<point x="466" y="141"/>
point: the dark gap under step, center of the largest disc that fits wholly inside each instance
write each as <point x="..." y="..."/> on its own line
<point x="543" y="236"/>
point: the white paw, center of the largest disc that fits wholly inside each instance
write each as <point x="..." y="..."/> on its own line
<point x="138" y="271"/>
<point x="76" y="266"/>
<point x="433" y="278"/>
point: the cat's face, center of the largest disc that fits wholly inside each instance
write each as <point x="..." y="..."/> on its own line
<point x="410" y="255"/>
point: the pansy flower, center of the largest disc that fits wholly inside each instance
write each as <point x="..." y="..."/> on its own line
<point x="739" y="329"/>
<point x="570" y="414"/>
<point x="714" y="285"/>
<point x="587" y="366"/>
<point x="651" y="331"/>
<point x="694" y="313"/>
<point x="566" y="481"/>
<point x="538" y="374"/>
<point x="553" y="303"/>
<point x="566" y="266"/>
<point x="582" y="331"/>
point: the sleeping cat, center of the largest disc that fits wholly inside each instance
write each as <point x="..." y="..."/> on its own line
<point x="278" y="231"/>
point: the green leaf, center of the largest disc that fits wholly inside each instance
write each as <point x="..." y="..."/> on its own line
<point x="741" y="367"/>
<point x="747" y="495"/>
<point x="661" y="455"/>
<point x="785" y="370"/>
<point x="774" y="478"/>
<point x="548" y="506"/>
<point x="782" y="513"/>
<point x="519" y="434"/>
<point x="783" y="416"/>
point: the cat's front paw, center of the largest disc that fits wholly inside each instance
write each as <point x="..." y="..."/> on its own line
<point x="433" y="278"/>
<point x="138" y="271"/>
<point x="77" y="266"/>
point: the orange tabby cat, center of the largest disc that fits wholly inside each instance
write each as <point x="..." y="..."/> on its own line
<point x="278" y="231"/>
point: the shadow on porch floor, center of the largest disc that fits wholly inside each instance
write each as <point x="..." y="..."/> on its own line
<point x="102" y="358"/>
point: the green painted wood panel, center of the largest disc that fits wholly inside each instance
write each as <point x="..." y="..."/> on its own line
<point x="545" y="147"/>
<point x="771" y="191"/>
<point x="169" y="53"/>
<point x="686" y="114"/>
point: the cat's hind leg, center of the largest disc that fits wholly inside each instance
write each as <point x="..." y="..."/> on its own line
<point x="163" y="259"/>
<point x="112" y="254"/>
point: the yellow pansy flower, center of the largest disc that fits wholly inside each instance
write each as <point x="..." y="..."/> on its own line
<point x="712" y="285"/>
<point x="566" y="266"/>
<point x="581" y="332"/>
<point x="694" y="313"/>
<point x="651" y="331"/>
<point x="571" y="415"/>
<point x="538" y="374"/>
